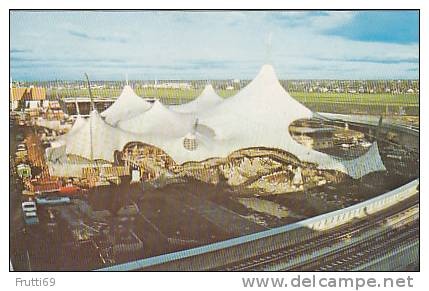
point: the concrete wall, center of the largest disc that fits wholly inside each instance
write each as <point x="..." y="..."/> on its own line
<point x="336" y="218"/>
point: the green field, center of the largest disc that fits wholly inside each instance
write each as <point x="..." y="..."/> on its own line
<point x="362" y="98"/>
<point x="169" y="95"/>
<point x="378" y="103"/>
<point x="115" y="92"/>
<point x="305" y="97"/>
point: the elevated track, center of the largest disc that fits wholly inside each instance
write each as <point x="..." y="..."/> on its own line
<point x="348" y="244"/>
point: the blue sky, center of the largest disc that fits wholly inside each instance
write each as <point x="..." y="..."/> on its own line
<point x="214" y="45"/>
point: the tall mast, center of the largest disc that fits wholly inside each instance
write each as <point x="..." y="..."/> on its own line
<point x="269" y="48"/>
<point x="90" y="118"/>
<point x="90" y="92"/>
<point x="77" y="106"/>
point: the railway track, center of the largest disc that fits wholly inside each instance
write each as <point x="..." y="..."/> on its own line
<point x="355" y="255"/>
<point x="349" y="263"/>
<point x="324" y="240"/>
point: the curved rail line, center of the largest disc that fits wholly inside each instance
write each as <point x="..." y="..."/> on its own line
<point x="355" y="255"/>
<point x="326" y="239"/>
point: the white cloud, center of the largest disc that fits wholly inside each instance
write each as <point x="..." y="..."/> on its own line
<point x="332" y="20"/>
<point x="225" y="44"/>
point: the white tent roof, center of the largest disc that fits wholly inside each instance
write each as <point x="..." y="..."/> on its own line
<point x="367" y="163"/>
<point x="259" y="115"/>
<point x="126" y="106"/>
<point x="159" y="121"/>
<point x="206" y="100"/>
<point x="78" y="123"/>
<point x="95" y="138"/>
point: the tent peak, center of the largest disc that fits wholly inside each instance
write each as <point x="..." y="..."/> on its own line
<point x="128" y="88"/>
<point x="209" y="93"/>
<point x="158" y="107"/>
<point x="267" y="70"/>
<point x="94" y="113"/>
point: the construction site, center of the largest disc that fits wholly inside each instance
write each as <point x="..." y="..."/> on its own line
<point x="142" y="178"/>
